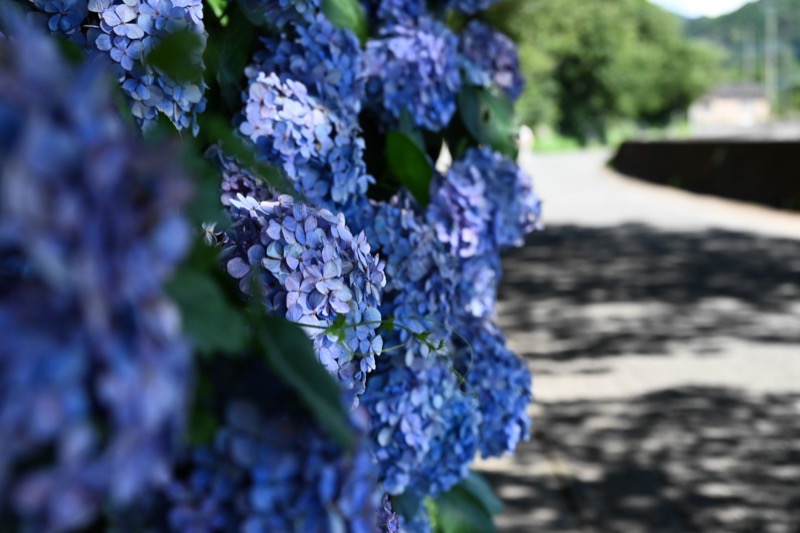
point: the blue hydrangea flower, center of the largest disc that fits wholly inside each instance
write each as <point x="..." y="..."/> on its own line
<point x="476" y="292"/>
<point x="469" y="7"/>
<point x="414" y="68"/>
<point x="423" y="426"/>
<point x="460" y="211"/>
<point x="489" y="57"/>
<point x="326" y="59"/>
<point x="275" y="471"/>
<point x="321" y="154"/>
<point x="393" y="11"/>
<point x="278" y="13"/>
<point x="312" y="270"/>
<point x="483" y="204"/>
<point x="94" y="370"/>
<point x="517" y="208"/>
<point x="126" y="31"/>
<point x="237" y="180"/>
<point x="420" y="273"/>
<point x="129" y="29"/>
<point x="501" y="382"/>
<point x="388" y="521"/>
<point x="66" y="16"/>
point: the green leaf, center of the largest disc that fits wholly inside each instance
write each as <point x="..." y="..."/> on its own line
<point x="406" y="125"/>
<point x="407" y="505"/>
<point x="290" y="354"/>
<point x="205" y="206"/>
<point x="218" y="7"/>
<point x="459" y="511"/>
<point x="433" y="515"/>
<point x="233" y="56"/>
<point x="209" y="319"/>
<point x="70" y="50"/>
<point x="203" y="423"/>
<point x="488" y="115"/>
<point x="347" y="14"/>
<point x="178" y="55"/>
<point x="410" y="165"/>
<point x="480" y="489"/>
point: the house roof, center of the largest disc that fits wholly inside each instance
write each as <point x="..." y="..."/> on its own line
<point x="737" y="90"/>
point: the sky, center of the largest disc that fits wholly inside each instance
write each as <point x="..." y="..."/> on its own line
<point x="701" y="8"/>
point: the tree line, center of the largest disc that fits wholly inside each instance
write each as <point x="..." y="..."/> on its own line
<point x="591" y="64"/>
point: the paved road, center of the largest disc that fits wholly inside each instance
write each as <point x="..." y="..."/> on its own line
<point x="663" y="330"/>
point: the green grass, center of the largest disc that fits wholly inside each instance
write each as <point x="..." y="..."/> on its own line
<point x="549" y="141"/>
<point x="555" y="143"/>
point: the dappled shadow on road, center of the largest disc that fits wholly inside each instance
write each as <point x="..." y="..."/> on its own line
<point x="683" y="460"/>
<point x="629" y="452"/>
<point x="600" y="292"/>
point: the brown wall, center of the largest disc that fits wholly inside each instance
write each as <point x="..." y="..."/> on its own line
<point x="762" y="172"/>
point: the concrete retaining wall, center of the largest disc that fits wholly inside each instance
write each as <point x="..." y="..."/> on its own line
<point x="762" y="172"/>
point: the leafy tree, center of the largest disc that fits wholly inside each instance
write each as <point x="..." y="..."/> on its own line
<point x="741" y="34"/>
<point x="589" y="64"/>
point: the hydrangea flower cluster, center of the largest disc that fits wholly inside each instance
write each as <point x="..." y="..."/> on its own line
<point x="482" y="205"/>
<point x="420" y="273"/>
<point x="278" y="13"/>
<point x="237" y="180"/>
<point x="320" y="153"/>
<point x="326" y="59"/>
<point x="126" y="31"/>
<point x="394" y="11"/>
<point x="414" y="69"/>
<point x="478" y="280"/>
<point x="423" y="426"/>
<point x="460" y="211"/>
<point x="273" y="471"/>
<point x="312" y="270"/>
<point x="90" y="223"/>
<point x="94" y="370"/>
<point x="470" y="7"/>
<point x="443" y="266"/>
<point x="501" y="382"/>
<point x="518" y="209"/>
<point x="388" y="521"/>
<point x="489" y="57"/>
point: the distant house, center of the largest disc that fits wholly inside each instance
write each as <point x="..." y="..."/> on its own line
<point x="741" y="105"/>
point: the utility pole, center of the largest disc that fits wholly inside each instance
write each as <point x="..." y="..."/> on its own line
<point x="749" y="56"/>
<point x="770" y="51"/>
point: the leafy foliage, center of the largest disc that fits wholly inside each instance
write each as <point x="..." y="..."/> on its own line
<point x="347" y="14"/>
<point x="742" y="36"/>
<point x="410" y="165"/>
<point x="290" y="354"/>
<point x="466" y="508"/>
<point x="489" y="117"/>
<point x="589" y="64"/>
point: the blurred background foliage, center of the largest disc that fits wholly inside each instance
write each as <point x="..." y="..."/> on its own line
<point x="592" y="66"/>
<point x="743" y="36"/>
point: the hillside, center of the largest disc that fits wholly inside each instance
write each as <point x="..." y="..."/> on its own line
<point x="742" y="35"/>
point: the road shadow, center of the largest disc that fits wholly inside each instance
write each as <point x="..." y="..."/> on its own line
<point x="685" y="459"/>
<point x="603" y="292"/>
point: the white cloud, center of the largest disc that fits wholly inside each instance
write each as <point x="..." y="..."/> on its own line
<point x="701" y="8"/>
